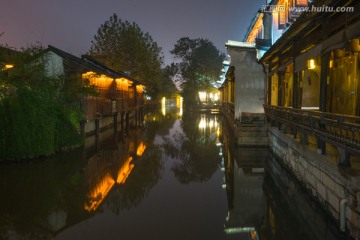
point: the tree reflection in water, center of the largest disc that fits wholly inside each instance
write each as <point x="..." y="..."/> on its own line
<point x="42" y="199"/>
<point x="194" y="148"/>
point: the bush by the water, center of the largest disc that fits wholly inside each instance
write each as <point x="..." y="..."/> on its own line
<point x="31" y="126"/>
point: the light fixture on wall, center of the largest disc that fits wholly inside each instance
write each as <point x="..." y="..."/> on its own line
<point x="311" y="64"/>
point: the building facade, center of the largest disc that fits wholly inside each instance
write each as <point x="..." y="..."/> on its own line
<point x="309" y="52"/>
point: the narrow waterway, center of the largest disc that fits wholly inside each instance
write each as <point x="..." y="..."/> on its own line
<point x="177" y="177"/>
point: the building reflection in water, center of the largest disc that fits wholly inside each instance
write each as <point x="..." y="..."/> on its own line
<point x="244" y="170"/>
<point x="103" y="185"/>
<point x="265" y="201"/>
<point x="99" y="192"/>
<point x="44" y="198"/>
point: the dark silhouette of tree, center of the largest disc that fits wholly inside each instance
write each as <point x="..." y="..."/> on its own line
<point x="123" y="46"/>
<point x="199" y="66"/>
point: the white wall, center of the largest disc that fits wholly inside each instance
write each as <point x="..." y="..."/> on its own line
<point x="249" y="81"/>
<point x="54" y="65"/>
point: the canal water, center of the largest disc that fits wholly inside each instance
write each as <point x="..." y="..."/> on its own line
<point x="179" y="176"/>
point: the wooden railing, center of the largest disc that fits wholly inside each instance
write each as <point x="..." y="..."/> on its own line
<point x="228" y="107"/>
<point x="340" y="130"/>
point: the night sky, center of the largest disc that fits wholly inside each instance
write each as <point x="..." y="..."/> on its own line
<point x="71" y="24"/>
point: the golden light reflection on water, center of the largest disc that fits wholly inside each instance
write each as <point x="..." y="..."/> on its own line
<point x="99" y="192"/>
<point x="209" y="124"/>
<point x="125" y="171"/>
<point x="140" y="149"/>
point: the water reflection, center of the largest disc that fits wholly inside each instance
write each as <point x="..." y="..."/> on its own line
<point x="244" y="177"/>
<point x="194" y="148"/>
<point x="265" y="201"/>
<point x="45" y="197"/>
<point x="164" y="181"/>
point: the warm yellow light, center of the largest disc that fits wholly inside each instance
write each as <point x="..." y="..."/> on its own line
<point x="98" y="193"/>
<point x="102" y="80"/>
<point x="331" y="64"/>
<point x="139" y="88"/>
<point x="311" y="64"/>
<point x="8" y="66"/>
<point x="163" y="106"/>
<point x="125" y="171"/>
<point x="202" y="96"/>
<point x="123" y="84"/>
<point x="211" y="124"/>
<point x="202" y="123"/>
<point x="181" y="106"/>
<point x="140" y="149"/>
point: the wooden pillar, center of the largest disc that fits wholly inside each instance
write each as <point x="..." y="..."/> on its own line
<point x="280" y="95"/>
<point x="295" y="96"/>
<point x="115" y="122"/>
<point x="122" y="123"/>
<point x="356" y="54"/>
<point x="127" y="120"/>
<point x="116" y="127"/>
<point x="325" y="58"/>
<point x="295" y="99"/>
<point x="97" y="132"/>
<point x="269" y="90"/>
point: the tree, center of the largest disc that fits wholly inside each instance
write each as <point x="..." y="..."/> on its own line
<point x="40" y="113"/>
<point x="199" y="66"/>
<point x="123" y="46"/>
<point x="167" y="86"/>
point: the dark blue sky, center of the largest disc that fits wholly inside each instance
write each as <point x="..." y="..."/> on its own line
<point x="71" y="24"/>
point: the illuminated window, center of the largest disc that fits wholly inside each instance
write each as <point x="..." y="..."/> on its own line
<point x="202" y="96"/>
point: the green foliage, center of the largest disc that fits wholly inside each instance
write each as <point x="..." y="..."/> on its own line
<point x="28" y="126"/>
<point x="40" y="114"/>
<point x="199" y="66"/>
<point x="123" y="46"/>
<point x="67" y="128"/>
<point x="167" y="87"/>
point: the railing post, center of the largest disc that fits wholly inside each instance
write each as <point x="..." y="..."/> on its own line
<point x="304" y="138"/>
<point x="344" y="158"/>
<point x="293" y="133"/>
<point x="321" y="146"/>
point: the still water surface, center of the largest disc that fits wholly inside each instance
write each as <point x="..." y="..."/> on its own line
<point x="177" y="177"/>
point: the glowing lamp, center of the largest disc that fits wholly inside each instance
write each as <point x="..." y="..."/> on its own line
<point x="8" y="66"/>
<point x="311" y="64"/>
